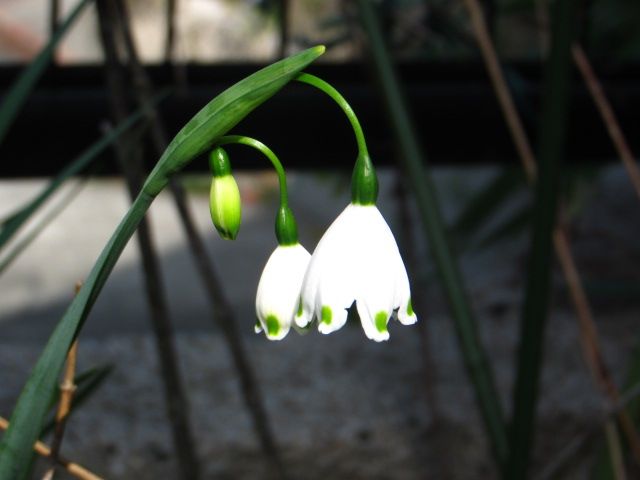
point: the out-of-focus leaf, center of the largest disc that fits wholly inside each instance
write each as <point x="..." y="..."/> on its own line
<point x="19" y="92"/>
<point x="13" y="223"/>
<point x="15" y="250"/>
<point x="481" y="206"/>
<point x="552" y="139"/>
<point x="513" y="224"/>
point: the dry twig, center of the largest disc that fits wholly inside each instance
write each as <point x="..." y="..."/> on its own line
<point x="67" y="389"/>
<point x="608" y="116"/>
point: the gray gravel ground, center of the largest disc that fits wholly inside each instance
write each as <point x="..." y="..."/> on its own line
<point x="341" y="407"/>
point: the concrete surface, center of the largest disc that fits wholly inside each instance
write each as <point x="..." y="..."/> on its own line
<point x="341" y="406"/>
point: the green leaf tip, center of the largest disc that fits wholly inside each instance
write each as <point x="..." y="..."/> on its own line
<point x="319" y="49"/>
<point x="222" y="113"/>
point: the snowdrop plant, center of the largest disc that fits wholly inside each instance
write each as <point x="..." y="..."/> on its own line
<point x="356" y="261"/>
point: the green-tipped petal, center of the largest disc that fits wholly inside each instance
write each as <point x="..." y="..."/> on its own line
<point x="278" y="293"/>
<point x="358" y="260"/>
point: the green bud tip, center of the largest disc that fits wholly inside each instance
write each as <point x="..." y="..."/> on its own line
<point x="219" y="162"/>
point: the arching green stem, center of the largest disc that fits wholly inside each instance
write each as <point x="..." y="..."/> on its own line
<point x="364" y="182"/>
<point x="286" y="228"/>
<point x="344" y="105"/>
<point x="267" y="152"/>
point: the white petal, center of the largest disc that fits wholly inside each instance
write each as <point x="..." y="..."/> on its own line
<point x="406" y="315"/>
<point x="357" y="259"/>
<point x="378" y="275"/>
<point x="374" y="328"/>
<point x="279" y="289"/>
<point x="328" y="287"/>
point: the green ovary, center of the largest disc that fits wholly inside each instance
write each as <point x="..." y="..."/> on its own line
<point x="381" y="321"/>
<point x="326" y="315"/>
<point x="273" y="326"/>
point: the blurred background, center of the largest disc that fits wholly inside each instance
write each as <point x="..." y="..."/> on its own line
<point x="459" y="101"/>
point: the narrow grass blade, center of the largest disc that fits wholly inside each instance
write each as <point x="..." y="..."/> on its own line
<point x="421" y="184"/>
<point x="514" y="224"/>
<point x="537" y="294"/>
<point x="12" y="224"/>
<point x="15" y="250"/>
<point x="19" y="92"/>
<point x="484" y="204"/>
<point x="200" y="133"/>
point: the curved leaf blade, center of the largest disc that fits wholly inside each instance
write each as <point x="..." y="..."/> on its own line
<point x="213" y="121"/>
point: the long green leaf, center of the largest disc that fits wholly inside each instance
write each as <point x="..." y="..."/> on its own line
<point x="553" y="125"/>
<point x="12" y="224"/>
<point x="23" y="86"/>
<point x="475" y="357"/>
<point x="200" y="133"/>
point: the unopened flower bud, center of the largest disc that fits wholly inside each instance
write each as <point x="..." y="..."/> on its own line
<point x="224" y="198"/>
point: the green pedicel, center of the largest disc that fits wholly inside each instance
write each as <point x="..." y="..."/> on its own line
<point x="364" y="182"/>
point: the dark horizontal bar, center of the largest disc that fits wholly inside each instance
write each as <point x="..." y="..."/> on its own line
<point x="453" y="106"/>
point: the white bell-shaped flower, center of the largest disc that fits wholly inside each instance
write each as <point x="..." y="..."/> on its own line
<point x="358" y="260"/>
<point x="279" y="290"/>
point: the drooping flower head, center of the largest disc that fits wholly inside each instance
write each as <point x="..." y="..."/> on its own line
<point x="279" y="290"/>
<point x="281" y="280"/>
<point x="357" y="259"/>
